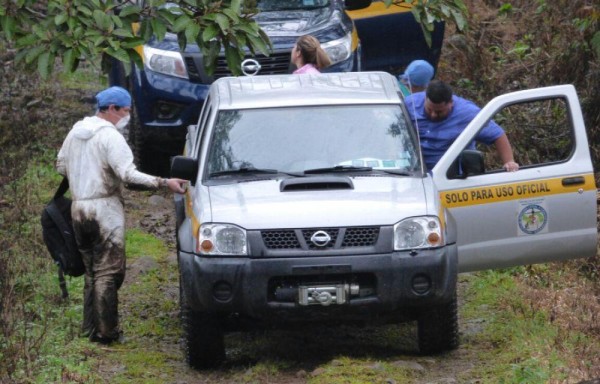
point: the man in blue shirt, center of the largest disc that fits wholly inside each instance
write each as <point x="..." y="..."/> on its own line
<point x="441" y="117"/>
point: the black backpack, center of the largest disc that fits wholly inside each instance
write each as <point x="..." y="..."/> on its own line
<point x="57" y="230"/>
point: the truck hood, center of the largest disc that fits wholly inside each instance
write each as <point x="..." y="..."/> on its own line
<point x="276" y="24"/>
<point x="373" y="201"/>
<point x="294" y="23"/>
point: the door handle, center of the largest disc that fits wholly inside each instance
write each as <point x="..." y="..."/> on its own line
<point x="569" y="181"/>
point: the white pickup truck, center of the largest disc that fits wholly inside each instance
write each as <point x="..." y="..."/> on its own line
<point x="309" y="203"/>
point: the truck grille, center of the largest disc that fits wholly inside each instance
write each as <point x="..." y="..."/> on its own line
<point x="307" y="234"/>
<point x="275" y="64"/>
<point x="301" y="238"/>
<point x="280" y="239"/>
<point x="360" y="237"/>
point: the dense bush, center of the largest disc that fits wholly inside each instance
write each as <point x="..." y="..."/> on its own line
<point x="526" y="44"/>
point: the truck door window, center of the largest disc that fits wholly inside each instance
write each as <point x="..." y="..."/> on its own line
<point x="540" y="132"/>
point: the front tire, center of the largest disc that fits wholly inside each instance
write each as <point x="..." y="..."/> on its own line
<point x="204" y="342"/>
<point x="438" y="328"/>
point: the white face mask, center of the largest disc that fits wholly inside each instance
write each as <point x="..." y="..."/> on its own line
<point x="122" y="123"/>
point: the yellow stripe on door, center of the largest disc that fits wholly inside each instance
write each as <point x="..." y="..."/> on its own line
<point x="514" y="191"/>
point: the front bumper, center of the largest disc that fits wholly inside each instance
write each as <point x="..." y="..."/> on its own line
<point x="386" y="287"/>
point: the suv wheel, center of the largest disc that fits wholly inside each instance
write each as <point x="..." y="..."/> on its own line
<point x="438" y="328"/>
<point x="204" y="342"/>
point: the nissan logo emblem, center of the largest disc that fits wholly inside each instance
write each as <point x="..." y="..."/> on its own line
<point x="320" y="238"/>
<point x="250" y="67"/>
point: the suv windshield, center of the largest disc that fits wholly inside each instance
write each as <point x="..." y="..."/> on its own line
<point x="290" y="5"/>
<point x="307" y="138"/>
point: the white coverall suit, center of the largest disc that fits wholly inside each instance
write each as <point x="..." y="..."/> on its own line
<point x="97" y="161"/>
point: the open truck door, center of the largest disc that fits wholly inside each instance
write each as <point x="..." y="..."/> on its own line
<point x="544" y="212"/>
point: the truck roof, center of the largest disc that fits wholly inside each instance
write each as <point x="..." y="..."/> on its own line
<point x="299" y="90"/>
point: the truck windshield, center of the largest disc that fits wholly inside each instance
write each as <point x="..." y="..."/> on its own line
<point x="305" y="138"/>
<point x="290" y="5"/>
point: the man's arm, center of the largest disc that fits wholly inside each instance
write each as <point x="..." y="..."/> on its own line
<point x="506" y="154"/>
<point x="120" y="159"/>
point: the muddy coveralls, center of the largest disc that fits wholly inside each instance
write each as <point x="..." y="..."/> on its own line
<point x="97" y="161"/>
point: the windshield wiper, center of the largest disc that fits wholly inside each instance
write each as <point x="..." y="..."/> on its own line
<point x="243" y="170"/>
<point x="339" y="168"/>
<point x="252" y="171"/>
<point x="396" y="172"/>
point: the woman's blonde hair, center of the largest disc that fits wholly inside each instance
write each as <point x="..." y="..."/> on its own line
<point x="311" y="52"/>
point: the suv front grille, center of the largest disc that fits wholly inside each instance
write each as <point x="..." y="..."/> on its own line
<point x="275" y="64"/>
<point x="301" y="238"/>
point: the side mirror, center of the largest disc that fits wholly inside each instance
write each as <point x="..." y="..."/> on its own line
<point x="469" y="163"/>
<point x="352" y="5"/>
<point x="185" y="168"/>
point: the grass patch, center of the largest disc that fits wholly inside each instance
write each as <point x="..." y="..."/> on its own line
<point x="520" y="343"/>
<point x="138" y="243"/>
<point x="357" y="371"/>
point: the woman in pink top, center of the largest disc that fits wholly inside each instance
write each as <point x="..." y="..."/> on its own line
<point x="308" y="56"/>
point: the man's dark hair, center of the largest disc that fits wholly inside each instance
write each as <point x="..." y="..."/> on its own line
<point x="439" y="92"/>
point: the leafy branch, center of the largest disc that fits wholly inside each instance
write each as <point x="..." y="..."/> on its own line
<point x="428" y="12"/>
<point x="76" y="30"/>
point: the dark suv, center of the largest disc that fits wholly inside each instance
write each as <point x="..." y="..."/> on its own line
<point x="170" y="89"/>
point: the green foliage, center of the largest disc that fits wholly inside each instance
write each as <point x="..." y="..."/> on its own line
<point x="428" y="12"/>
<point x="74" y="30"/>
<point x="505" y="9"/>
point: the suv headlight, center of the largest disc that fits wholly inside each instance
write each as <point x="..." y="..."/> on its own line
<point x="338" y="50"/>
<point x="222" y="239"/>
<point x="165" y="62"/>
<point x="418" y="232"/>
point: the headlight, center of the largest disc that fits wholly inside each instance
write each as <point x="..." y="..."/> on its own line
<point x="338" y="50"/>
<point x="418" y="232"/>
<point x="221" y="239"/>
<point x="166" y="62"/>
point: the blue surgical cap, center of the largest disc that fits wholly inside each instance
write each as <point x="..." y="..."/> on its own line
<point x="418" y="73"/>
<point x="114" y="95"/>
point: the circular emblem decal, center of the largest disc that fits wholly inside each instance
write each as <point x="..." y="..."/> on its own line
<point x="250" y="67"/>
<point x="320" y="238"/>
<point x="532" y="219"/>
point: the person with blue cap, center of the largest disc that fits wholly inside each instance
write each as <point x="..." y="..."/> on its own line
<point x="416" y="77"/>
<point x="98" y="163"/>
